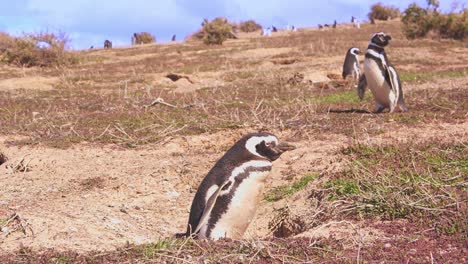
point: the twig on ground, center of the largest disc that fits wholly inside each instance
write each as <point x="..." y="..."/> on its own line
<point x="159" y="100"/>
<point x="20" y="165"/>
<point x="21" y="223"/>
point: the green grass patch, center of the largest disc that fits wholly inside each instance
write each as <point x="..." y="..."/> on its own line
<point x="402" y="181"/>
<point x="281" y="192"/>
<point x="342" y="188"/>
<point x="152" y="250"/>
<point x="430" y="75"/>
<point x="350" y="97"/>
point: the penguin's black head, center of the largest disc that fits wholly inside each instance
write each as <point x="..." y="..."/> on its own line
<point x="266" y="145"/>
<point x="381" y="39"/>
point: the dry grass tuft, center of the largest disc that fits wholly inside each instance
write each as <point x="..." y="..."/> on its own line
<point x="92" y="183"/>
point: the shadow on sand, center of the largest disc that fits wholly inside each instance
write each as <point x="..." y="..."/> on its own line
<point x="359" y="111"/>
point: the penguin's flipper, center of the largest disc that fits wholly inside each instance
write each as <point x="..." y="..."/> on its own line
<point x="361" y="89"/>
<point x="209" y="206"/>
<point x="393" y="80"/>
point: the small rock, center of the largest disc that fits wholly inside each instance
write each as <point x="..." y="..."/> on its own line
<point x="172" y="194"/>
<point x="115" y="221"/>
<point x="387" y="245"/>
<point x="4" y="230"/>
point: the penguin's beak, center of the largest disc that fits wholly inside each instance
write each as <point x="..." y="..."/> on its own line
<point x="388" y="37"/>
<point x="285" y="146"/>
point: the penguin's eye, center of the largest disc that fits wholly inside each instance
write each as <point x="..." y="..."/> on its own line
<point x="268" y="144"/>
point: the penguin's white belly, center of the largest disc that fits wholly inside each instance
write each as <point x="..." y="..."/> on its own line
<point x="242" y="208"/>
<point x="376" y="83"/>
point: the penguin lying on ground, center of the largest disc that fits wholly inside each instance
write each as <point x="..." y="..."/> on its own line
<point x="351" y="64"/>
<point x="381" y="76"/>
<point x="227" y="198"/>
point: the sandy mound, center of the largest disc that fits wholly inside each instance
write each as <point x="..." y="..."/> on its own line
<point x="260" y="53"/>
<point x="316" y="76"/>
<point x="30" y="83"/>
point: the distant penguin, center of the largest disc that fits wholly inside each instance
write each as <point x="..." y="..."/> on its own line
<point x="107" y="44"/>
<point x="351" y="64"/>
<point x="381" y="77"/>
<point x="266" y="32"/>
<point x="227" y="198"/>
<point x="334" y="24"/>
<point x="173" y="38"/>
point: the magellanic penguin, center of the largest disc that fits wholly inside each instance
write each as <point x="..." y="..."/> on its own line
<point x="227" y="198"/>
<point x="351" y="64"/>
<point x="381" y="76"/>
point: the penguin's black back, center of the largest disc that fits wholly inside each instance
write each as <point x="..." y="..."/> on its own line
<point x="348" y="65"/>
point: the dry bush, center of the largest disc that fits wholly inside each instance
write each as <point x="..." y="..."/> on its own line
<point x="453" y="26"/>
<point x="42" y="49"/>
<point x="143" y="38"/>
<point x="418" y="22"/>
<point x="381" y="12"/>
<point x="415" y="22"/>
<point x="215" y="32"/>
<point x="249" y="26"/>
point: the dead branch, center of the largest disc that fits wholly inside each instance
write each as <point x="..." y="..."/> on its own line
<point x="20" y="166"/>
<point x="159" y="100"/>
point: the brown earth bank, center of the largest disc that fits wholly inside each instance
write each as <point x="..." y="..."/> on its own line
<point x="99" y="162"/>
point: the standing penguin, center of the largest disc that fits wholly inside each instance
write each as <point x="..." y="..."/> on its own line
<point x="351" y="64"/>
<point x="227" y="198"/>
<point x="381" y="76"/>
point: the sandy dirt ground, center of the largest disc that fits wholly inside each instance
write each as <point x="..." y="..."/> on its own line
<point x="93" y="197"/>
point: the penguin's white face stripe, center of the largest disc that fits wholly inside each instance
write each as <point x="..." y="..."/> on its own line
<point x="378" y="56"/>
<point x="354" y="51"/>
<point x="378" y="33"/>
<point x="254" y="141"/>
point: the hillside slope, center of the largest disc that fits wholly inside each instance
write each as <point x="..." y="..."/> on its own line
<point x="93" y="165"/>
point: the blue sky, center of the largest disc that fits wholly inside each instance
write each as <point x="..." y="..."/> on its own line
<point x="89" y="22"/>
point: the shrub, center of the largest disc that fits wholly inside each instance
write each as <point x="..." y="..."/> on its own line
<point x="249" y="26"/>
<point x="42" y="49"/>
<point x="453" y="26"/>
<point x="415" y="22"/>
<point x="215" y="32"/>
<point x="381" y="12"/>
<point x="142" y="38"/>
<point x="418" y="22"/>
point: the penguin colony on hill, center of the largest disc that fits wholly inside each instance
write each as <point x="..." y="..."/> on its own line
<point x="351" y="64"/>
<point x="227" y="198"/>
<point x="381" y="77"/>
